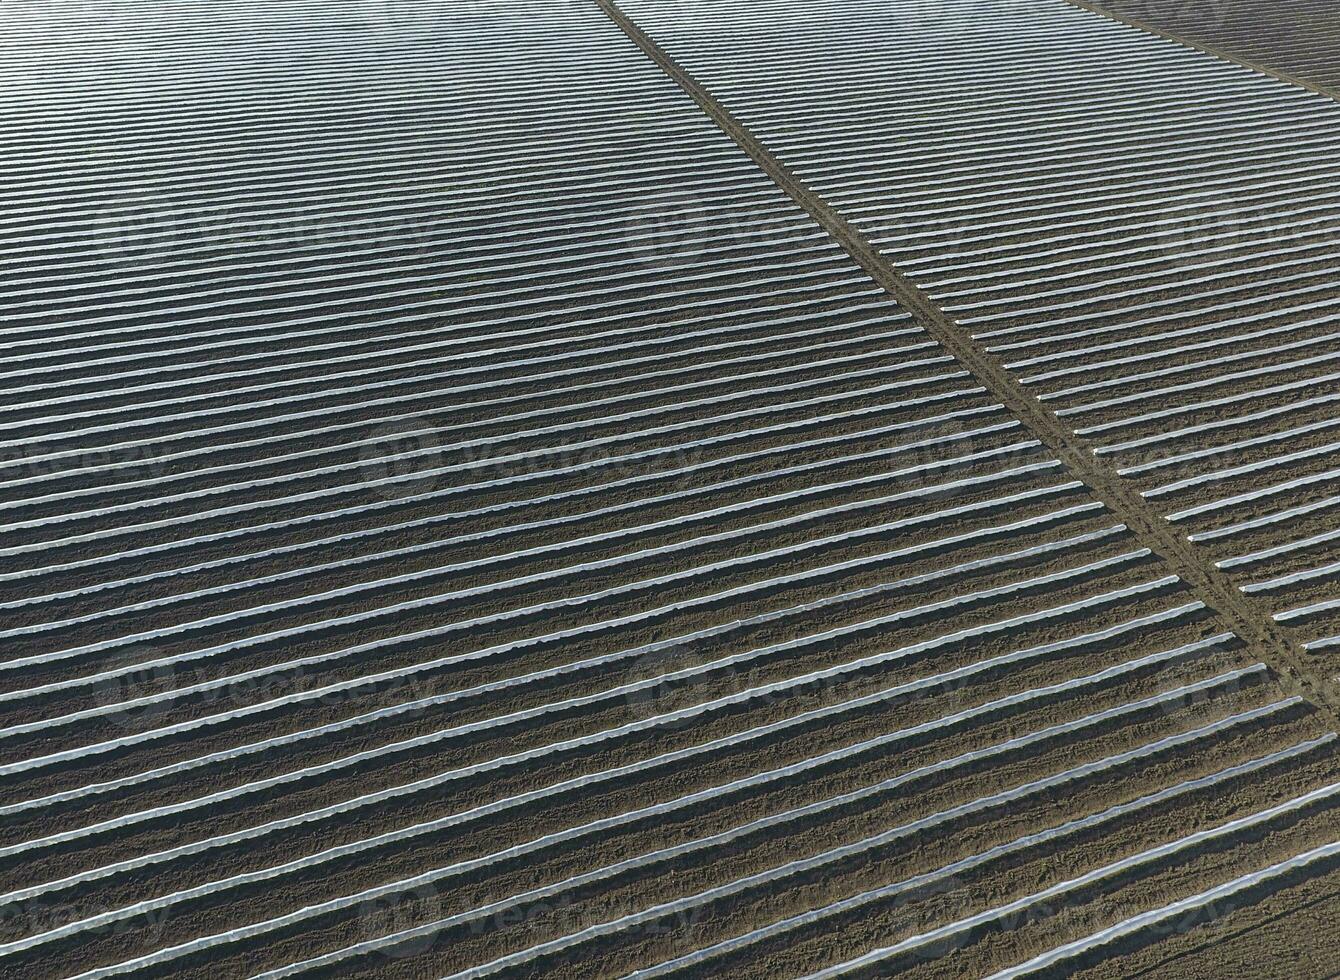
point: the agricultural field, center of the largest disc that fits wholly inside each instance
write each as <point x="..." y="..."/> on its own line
<point x="1156" y="269"/>
<point x="1300" y="38"/>
<point x="685" y="488"/>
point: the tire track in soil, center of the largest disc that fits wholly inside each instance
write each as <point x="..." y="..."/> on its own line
<point x="1249" y="618"/>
